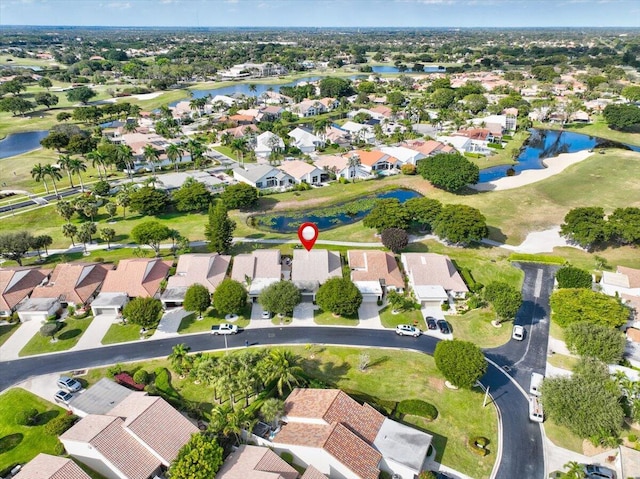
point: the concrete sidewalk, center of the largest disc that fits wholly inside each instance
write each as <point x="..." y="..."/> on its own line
<point x="19" y="339"/>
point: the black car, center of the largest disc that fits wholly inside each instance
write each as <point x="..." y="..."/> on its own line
<point x="443" y="326"/>
<point x="431" y="322"/>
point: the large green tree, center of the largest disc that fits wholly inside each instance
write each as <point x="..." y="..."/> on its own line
<point x="587" y="403"/>
<point x="82" y="94"/>
<point x="192" y="196"/>
<point x="622" y="117"/>
<point x="595" y="341"/>
<point x="574" y="305"/>
<point x="197" y="298"/>
<point x="219" y="229"/>
<point x="340" y="296"/>
<point x="585" y="226"/>
<point x="240" y="196"/>
<point x="148" y="201"/>
<point x="504" y="298"/>
<point x="229" y="297"/>
<point x="387" y="213"/>
<point x="449" y="171"/>
<point x="143" y="311"/>
<point x="423" y="211"/>
<point x="461" y="224"/>
<point x="623" y="225"/>
<point x="572" y="277"/>
<point x="335" y="87"/>
<point x="200" y="458"/>
<point x="150" y="233"/>
<point x="280" y="297"/>
<point x="14" y="246"/>
<point x="460" y="362"/>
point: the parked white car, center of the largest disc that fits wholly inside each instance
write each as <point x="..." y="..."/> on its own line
<point x="518" y="333"/>
<point x="407" y="330"/>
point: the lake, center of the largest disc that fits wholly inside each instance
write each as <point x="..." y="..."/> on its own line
<point x="390" y="69"/>
<point x="18" y="143"/>
<point x="546" y="144"/>
<point x="327" y="217"/>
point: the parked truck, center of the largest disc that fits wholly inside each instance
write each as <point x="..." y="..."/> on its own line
<point x="224" y="328"/>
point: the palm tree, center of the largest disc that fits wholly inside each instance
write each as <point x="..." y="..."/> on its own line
<point x="76" y="166"/>
<point x="38" y="174"/>
<point x="130" y="127"/>
<point x="575" y="470"/>
<point x="352" y="163"/>
<point x="70" y="230"/>
<point x="196" y="150"/>
<point x="107" y="234"/>
<point x="272" y="410"/>
<point x="98" y="159"/>
<point x="173" y="153"/>
<point x="151" y="156"/>
<point x="231" y="422"/>
<point x="123" y="199"/>
<point x="124" y="153"/>
<point x="178" y="358"/>
<point x="194" y="105"/>
<point x="54" y="173"/>
<point x="283" y="368"/>
<point x="165" y="111"/>
<point x="63" y="164"/>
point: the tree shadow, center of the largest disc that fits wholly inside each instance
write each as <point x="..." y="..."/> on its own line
<point x="45" y="417"/>
<point x="496" y="234"/>
<point x="10" y="441"/>
<point x="334" y="372"/>
<point x="378" y="361"/>
<point x="266" y="203"/>
<point x="70" y="334"/>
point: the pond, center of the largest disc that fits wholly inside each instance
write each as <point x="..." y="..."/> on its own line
<point x="546" y="144"/>
<point x="19" y="143"/>
<point x="328" y="217"/>
<point x="390" y="69"/>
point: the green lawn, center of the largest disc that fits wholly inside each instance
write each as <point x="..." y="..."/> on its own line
<point x="67" y="337"/>
<point x="562" y="437"/>
<point x="563" y="361"/>
<point x="19" y="444"/>
<point x="6" y="330"/>
<point x="556" y="331"/>
<point x="475" y="326"/>
<point x="119" y="333"/>
<point x="190" y="324"/>
<point x="326" y="318"/>
<point x="390" y="320"/>
<point x="599" y="128"/>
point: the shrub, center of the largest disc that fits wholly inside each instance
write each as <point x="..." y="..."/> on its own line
<point x="26" y="417"/>
<point x="112" y="371"/>
<point x="287" y="457"/>
<point x="427" y="475"/>
<point x="572" y="277"/>
<point x="58" y="449"/>
<point x="126" y="380"/>
<point x="99" y="259"/>
<point x="460" y="362"/>
<point x="49" y="328"/>
<point x="101" y="188"/>
<point x="597" y="341"/>
<point x="60" y="424"/>
<point x="478" y="445"/>
<point x="573" y="305"/>
<point x="417" y="407"/>
<point x="408" y="169"/>
<point x="141" y="376"/>
<point x="445" y="307"/>
<point x="632" y="438"/>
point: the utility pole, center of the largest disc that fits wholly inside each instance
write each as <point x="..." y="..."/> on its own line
<point x="486" y="395"/>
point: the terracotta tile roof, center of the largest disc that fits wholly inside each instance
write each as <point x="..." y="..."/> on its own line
<point x="633" y="334"/>
<point x="18" y="283"/>
<point x="108" y="437"/>
<point x="303" y="434"/>
<point x="382" y="110"/>
<point x="433" y="269"/>
<point x="255" y="463"/>
<point x="332" y="161"/>
<point x="632" y="274"/>
<point x="138" y="277"/>
<point x="427" y="148"/>
<point x="73" y="282"/>
<point x="372" y="157"/>
<point x="258" y="264"/>
<point x="632" y="301"/>
<point x="157" y="424"/>
<point x="474" y="133"/>
<point x="45" y="466"/>
<point x="206" y="269"/>
<point x="297" y="168"/>
<point x="242" y="118"/>
<point x="309" y="403"/>
<point x="313" y="473"/>
<point x="353" y="452"/>
<point x="374" y="265"/>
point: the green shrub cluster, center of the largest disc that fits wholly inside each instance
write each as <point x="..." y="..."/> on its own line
<point x="536" y="258"/>
<point x="473" y="285"/>
<point x="26" y="417"/>
<point x="114" y="370"/>
<point x="60" y="424"/>
<point x="141" y="376"/>
<point x="418" y="407"/>
<point x="478" y="445"/>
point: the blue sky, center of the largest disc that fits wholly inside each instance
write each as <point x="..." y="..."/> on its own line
<point x="323" y="13"/>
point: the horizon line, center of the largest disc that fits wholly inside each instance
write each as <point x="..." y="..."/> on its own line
<point x="200" y="27"/>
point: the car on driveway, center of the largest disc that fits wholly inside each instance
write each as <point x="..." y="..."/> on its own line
<point x="407" y="330"/>
<point x="431" y="323"/>
<point x="63" y="397"/>
<point x="443" y="326"/>
<point x="518" y="333"/>
<point x="69" y="384"/>
<point x="266" y="315"/>
<point x="593" y="471"/>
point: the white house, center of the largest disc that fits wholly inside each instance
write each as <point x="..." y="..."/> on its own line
<point x="359" y="131"/>
<point x="306" y="141"/>
<point x="303" y="172"/>
<point x="267" y="142"/>
<point x="405" y="156"/>
<point x="263" y="177"/>
<point x="339" y="165"/>
<point x="307" y="108"/>
<point x="461" y="143"/>
<point x="624" y="283"/>
<point x="433" y="278"/>
<point x="374" y="273"/>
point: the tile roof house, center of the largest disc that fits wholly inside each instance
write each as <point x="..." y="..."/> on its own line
<point x="306" y="141"/>
<point x="374" y="272"/>
<point x="429" y="147"/>
<point x="16" y="284"/>
<point x="433" y="278"/>
<point x="135" y="440"/>
<point x="205" y="269"/>
<point x="310" y="269"/>
<point x="133" y="278"/>
<point x="625" y="282"/>
<point x="263" y="177"/>
<point x="375" y="160"/>
<point x="303" y="172"/>
<point x="256" y="463"/>
<point x="403" y="154"/>
<point x="339" y="165"/>
<point x="266" y="142"/>
<point x="307" y="108"/>
<point x="257" y="270"/>
<point x="337" y="436"/>
<point x="46" y="466"/>
<point x="241" y="131"/>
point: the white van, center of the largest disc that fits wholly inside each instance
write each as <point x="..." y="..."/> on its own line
<point x="536" y="383"/>
<point x="535" y="410"/>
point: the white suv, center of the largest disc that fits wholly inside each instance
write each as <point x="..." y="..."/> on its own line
<point x="407" y="330"/>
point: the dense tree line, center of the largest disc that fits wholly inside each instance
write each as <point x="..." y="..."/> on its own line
<point x="589" y="228"/>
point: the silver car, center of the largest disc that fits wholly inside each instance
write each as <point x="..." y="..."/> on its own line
<point x="69" y="384"/>
<point x="63" y="397"/>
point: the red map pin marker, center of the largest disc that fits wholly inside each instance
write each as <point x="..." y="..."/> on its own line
<point x="308" y="234"/>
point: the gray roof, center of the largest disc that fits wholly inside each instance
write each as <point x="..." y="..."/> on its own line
<point x="255" y="173"/>
<point x="100" y="398"/>
<point x="109" y="300"/>
<point x="33" y="305"/>
<point x="174" y="294"/>
<point x="402" y="444"/>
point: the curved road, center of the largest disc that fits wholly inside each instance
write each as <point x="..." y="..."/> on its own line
<point x="521" y="440"/>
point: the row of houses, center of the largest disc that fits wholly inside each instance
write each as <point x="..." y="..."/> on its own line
<point x="124" y="434"/>
<point x="37" y="294"/>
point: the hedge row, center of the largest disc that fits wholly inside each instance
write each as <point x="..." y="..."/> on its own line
<point x="537" y="258"/>
<point x="417" y="407"/>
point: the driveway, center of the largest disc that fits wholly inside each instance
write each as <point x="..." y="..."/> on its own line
<point x="369" y="316"/>
<point x="19" y="339"/>
<point x="92" y="337"/>
<point x="303" y="314"/>
<point x="170" y="323"/>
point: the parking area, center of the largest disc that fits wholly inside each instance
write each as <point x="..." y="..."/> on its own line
<point x="438" y="314"/>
